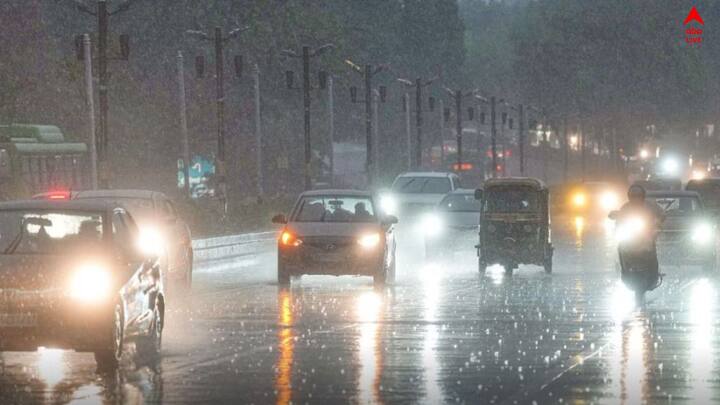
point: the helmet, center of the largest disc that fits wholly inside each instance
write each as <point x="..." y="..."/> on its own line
<point x="636" y="192"/>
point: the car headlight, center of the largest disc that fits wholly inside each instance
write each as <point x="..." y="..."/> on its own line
<point x="369" y="241"/>
<point x="579" y="199"/>
<point x="609" y="201"/>
<point x="151" y="241"/>
<point x="288" y="238"/>
<point x="90" y="283"/>
<point x="388" y="204"/>
<point x="702" y="233"/>
<point x="629" y="229"/>
<point x="431" y="225"/>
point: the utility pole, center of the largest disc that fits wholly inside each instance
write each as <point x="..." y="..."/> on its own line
<point x="441" y="108"/>
<point x="457" y="96"/>
<point x="566" y="161"/>
<point x="305" y="55"/>
<point x="258" y="132"/>
<point x="368" y="72"/>
<point x="408" y="132"/>
<point x="91" y="111"/>
<point x="183" y="125"/>
<point x="331" y="132"/>
<point x="418" y="84"/>
<point x="219" y="41"/>
<point x="102" y="15"/>
<point x="376" y="137"/>
<point x="522" y="139"/>
<point x="493" y="136"/>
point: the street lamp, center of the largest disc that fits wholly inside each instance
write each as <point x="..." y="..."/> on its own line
<point x="305" y="55"/>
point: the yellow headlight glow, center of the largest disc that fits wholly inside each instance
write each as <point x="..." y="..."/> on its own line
<point x="369" y="241"/>
<point x="90" y="283"/>
<point x="579" y="199"/>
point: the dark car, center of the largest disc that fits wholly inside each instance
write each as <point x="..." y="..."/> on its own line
<point x="453" y="225"/>
<point x="709" y="190"/>
<point x="73" y="276"/>
<point x="161" y="227"/>
<point x="336" y="232"/>
<point x="688" y="234"/>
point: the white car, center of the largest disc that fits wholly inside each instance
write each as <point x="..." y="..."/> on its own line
<point x="414" y="193"/>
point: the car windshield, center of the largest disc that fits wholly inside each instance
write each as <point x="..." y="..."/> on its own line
<point x="335" y="209"/>
<point x="675" y="206"/>
<point x="141" y="209"/>
<point x="460" y="203"/>
<point x="709" y="191"/>
<point x="422" y="185"/>
<point x="48" y="232"/>
<point x="510" y="200"/>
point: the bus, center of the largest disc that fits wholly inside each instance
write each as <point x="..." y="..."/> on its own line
<point x="37" y="158"/>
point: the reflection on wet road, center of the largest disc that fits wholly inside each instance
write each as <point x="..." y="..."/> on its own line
<point x="443" y="333"/>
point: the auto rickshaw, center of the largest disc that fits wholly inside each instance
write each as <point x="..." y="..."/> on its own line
<point x="514" y="224"/>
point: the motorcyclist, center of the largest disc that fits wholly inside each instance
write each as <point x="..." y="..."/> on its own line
<point x="638" y="206"/>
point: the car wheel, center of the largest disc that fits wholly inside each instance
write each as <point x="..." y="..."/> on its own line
<point x="391" y="271"/>
<point x="152" y="343"/>
<point x="548" y="265"/>
<point x="108" y="356"/>
<point x="482" y="266"/>
<point x="188" y="284"/>
<point x="380" y="277"/>
<point x="282" y="274"/>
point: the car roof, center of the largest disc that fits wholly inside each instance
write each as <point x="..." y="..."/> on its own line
<point x="427" y="174"/>
<point x="120" y="193"/>
<point x="672" y="193"/>
<point x="336" y="192"/>
<point x="515" y="181"/>
<point x="68" y="205"/>
<point x="463" y="191"/>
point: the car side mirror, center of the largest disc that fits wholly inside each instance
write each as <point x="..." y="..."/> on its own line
<point x="390" y="220"/>
<point x="279" y="219"/>
<point x="478" y="194"/>
<point x="613" y="215"/>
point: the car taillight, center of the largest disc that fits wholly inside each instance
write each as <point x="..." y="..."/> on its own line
<point x="288" y="239"/>
<point x="61" y="195"/>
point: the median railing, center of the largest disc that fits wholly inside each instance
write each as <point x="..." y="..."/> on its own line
<point x="224" y="247"/>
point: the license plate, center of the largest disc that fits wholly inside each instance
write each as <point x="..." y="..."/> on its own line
<point x="330" y="257"/>
<point x="18" y="320"/>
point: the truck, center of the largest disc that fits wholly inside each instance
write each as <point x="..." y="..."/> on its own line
<point x="37" y="158"/>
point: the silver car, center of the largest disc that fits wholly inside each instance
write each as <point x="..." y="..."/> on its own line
<point x="336" y="232"/>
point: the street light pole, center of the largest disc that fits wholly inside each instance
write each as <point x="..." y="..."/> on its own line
<point x="418" y="122"/>
<point x="522" y="138"/>
<point x="91" y="111"/>
<point x="493" y="136"/>
<point x="102" y="18"/>
<point x="183" y="125"/>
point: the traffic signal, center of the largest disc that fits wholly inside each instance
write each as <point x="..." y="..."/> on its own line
<point x="200" y="66"/>
<point x="504" y="118"/>
<point x="510" y="123"/>
<point x="289" y="78"/>
<point x="125" y="46"/>
<point x="482" y="117"/>
<point x="239" y="64"/>
<point x="79" y="47"/>
<point x="446" y="114"/>
<point x="471" y="113"/>
<point x="322" y="79"/>
<point x="383" y="93"/>
<point x="431" y="103"/>
<point x="353" y="94"/>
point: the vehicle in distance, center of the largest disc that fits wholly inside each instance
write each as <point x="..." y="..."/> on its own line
<point x="660" y="184"/>
<point x="73" y="276"/>
<point x="593" y="198"/>
<point x="161" y="230"/>
<point x="453" y="225"/>
<point x="416" y="192"/>
<point x="688" y="234"/>
<point x="336" y="232"/>
<point x="709" y="190"/>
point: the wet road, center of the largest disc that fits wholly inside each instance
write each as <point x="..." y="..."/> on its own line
<point x="442" y="333"/>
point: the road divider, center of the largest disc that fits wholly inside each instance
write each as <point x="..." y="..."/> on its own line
<point x="224" y="247"/>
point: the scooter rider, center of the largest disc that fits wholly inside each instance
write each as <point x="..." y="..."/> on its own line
<point x="637" y="205"/>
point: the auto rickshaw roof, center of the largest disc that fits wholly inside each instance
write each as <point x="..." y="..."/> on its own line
<point x="515" y="181"/>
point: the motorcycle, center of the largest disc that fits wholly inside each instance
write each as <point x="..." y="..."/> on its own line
<point x="636" y="234"/>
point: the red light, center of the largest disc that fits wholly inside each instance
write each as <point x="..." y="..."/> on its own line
<point x="463" y="167"/>
<point x="58" y="195"/>
<point x="498" y="168"/>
